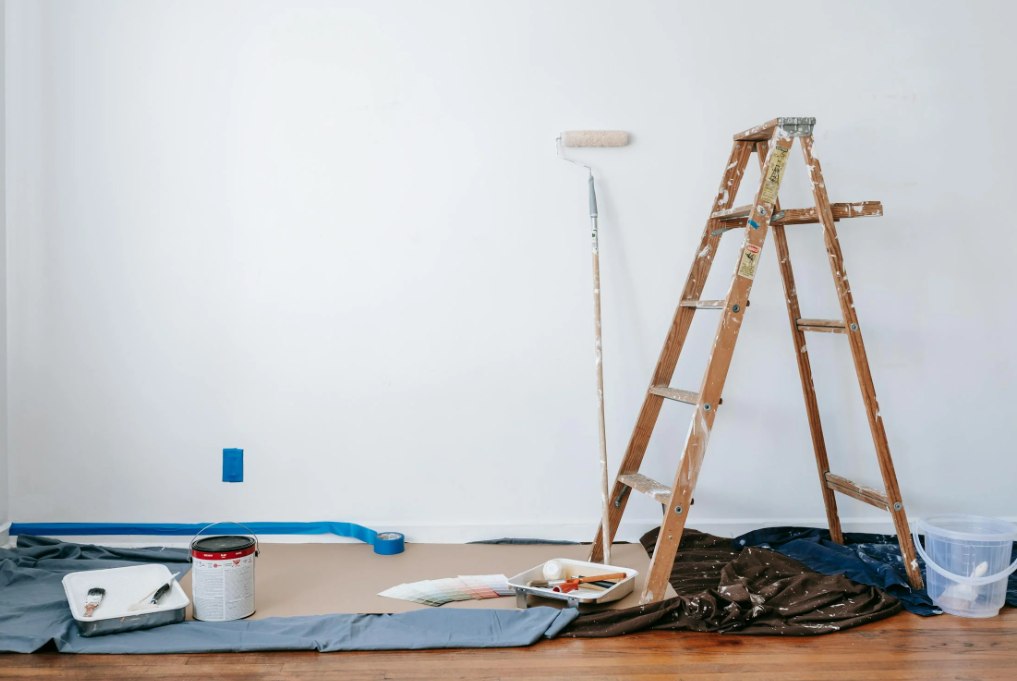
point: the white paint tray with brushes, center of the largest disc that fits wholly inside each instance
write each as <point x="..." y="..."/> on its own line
<point x="585" y="595"/>
<point x="124" y="588"/>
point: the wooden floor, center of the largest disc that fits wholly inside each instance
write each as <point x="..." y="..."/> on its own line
<point x="902" y="647"/>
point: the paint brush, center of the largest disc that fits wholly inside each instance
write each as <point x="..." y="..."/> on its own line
<point x="92" y="600"/>
<point x="152" y="598"/>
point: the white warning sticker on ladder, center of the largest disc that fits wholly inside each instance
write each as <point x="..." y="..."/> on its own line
<point x="750" y="259"/>
<point x="778" y="160"/>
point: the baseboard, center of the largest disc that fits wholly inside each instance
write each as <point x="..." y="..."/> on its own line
<point x="457" y="534"/>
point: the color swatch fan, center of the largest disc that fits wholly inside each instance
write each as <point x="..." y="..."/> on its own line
<point x="437" y="592"/>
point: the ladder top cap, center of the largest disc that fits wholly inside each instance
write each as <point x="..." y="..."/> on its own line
<point x="785" y="127"/>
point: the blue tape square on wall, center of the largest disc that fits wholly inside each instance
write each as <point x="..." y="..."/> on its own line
<point x="232" y="465"/>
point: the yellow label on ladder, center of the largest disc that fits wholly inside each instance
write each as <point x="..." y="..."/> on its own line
<point x="778" y="160"/>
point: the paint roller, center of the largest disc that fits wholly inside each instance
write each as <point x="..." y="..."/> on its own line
<point x="596" y="138"/>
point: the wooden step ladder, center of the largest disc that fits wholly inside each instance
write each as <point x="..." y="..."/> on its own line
<point x="772" y="142"/>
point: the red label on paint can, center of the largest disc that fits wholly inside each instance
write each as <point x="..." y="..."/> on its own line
<point x="228" y="555"/>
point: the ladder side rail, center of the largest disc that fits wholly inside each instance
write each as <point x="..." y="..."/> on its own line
<point x="676" y="335"/>
<point x="861" y="362"/>
<point x="794" y="312"/>
<point x="676" y="512"/>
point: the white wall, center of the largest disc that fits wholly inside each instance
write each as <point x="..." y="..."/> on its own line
<point x="4" y="493"/>
<point x="335" y="234"/>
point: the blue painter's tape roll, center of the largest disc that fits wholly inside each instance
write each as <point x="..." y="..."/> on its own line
<point x="384" y="543"/>
<point x="389" y="543"/>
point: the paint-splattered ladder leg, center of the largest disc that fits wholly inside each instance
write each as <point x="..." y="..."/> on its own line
<point x="737" y="299"/>
<point x="861" y="362"/>
<point x="677" y="332"/>
<point x="804" y="368"/>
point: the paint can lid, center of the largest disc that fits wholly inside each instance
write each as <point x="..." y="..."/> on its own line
<point x="222" y="544"/>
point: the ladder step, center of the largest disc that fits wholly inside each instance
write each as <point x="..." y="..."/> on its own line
<point x="760" y="132"/>
<point x="704" y="304"/>
<point x="804" y="216"/>
<point x="822" y="325"/>
<point x="866" y="494"/>
<point x="647" y="486"/>
<point x="735" y="218"/>
<point x="686" y="396"/>
<point x="732" y="213"/>
<point x="794" y="127"/>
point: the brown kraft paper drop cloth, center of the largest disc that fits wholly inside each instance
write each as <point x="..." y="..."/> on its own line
<point x="751" y="591"/>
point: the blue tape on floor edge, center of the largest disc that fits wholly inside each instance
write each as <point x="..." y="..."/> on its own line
<point x="384" y="543"/>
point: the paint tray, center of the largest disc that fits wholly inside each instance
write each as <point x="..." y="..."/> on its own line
<point x="574" y="568"/>
<point x="124" y="587"/>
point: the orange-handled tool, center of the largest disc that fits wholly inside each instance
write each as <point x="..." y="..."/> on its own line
<point x="573" y="584"/>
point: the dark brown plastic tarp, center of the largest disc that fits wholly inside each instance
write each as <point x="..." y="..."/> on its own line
<point x="748" y="591"/>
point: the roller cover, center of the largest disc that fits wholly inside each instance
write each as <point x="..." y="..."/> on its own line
<point x="595" y="138"/>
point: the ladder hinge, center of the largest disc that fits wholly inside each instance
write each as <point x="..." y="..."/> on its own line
<point x="795" y="127"/>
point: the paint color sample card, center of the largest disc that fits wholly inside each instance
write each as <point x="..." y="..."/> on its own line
<point x="441" y="591"/>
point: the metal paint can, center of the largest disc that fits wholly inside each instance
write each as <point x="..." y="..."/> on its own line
<point x="222" y="579"/>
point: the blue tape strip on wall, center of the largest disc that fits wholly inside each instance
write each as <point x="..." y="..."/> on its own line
<point x="385" y="543"/>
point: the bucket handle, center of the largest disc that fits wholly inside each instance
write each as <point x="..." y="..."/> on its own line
<point x="257" y="544"/>
<point x="962" y="579"/>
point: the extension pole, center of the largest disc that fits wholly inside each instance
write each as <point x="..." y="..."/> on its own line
<point x="596" y="138"/>
<point x="605" y="521"/>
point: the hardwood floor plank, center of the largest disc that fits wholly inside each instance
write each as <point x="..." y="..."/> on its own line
<point x="902" y="648"/>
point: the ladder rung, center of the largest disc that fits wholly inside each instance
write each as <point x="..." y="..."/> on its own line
<point x="822" y="325"/>
<point x="686" y="396"/>
<point x="732" y="213"/>
<point x="866" y="494"/>
<point x="704" y="304"/>
<point x="647" y="486"/>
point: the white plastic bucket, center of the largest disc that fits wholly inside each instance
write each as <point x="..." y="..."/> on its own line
<point x="968" y="561"/>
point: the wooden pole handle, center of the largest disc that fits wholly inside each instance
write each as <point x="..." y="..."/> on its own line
<point x="597" y="578"/>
